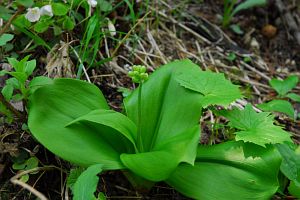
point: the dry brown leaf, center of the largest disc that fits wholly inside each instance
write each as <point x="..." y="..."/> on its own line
<point x="58" y="61"/>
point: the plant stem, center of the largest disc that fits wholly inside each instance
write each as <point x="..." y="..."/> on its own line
<point x="139" y="132"/>
<point x="19" y="11"/>
<point x="10" y="107"/>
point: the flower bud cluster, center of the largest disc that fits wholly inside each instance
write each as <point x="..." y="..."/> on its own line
<point x="138" y="74"/>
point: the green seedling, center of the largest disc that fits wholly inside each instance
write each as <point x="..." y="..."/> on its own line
<point x="230" y="10"/>
<point x="283" y="89"/>
<point x="18" y="87"/>
<point x="28" y="164"/>
<point x="157" y="139"/>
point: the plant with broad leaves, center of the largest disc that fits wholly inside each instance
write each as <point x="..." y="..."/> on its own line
<point x="157" y="139"/>
<point x="283" y="89"/>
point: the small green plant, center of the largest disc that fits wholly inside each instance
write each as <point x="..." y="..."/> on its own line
<point x="283" y="89"/>
<point x="18" y="88"/>
<point x="24" y="165"/>
<point x="230" y="10"/>
<point x="157" y="137"/>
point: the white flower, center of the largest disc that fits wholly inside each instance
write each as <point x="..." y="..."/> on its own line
<point x="46" y="10"/>
<point x="92" y="3"/>
<point x="111" y="28"/>
<point x="33" y="14"/>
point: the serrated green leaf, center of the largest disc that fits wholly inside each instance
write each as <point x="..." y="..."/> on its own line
<point x="60" y="9"/>
<point x="86" y="184"/>
<point x="73" y="176"/>
<point x="5" y="38"/>
<point x="290" y="165"/>
<point x="294" y="97"/>
<point x="255" y="127"/>
<point x="282" y="87"/>
<point x="278" y="105"/>
<point x="230" y="170"/>
<point x="216" y="90"/>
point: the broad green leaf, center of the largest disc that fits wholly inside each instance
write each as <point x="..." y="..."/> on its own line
<point x="231" y="170"/>
<point x="30" y="66"/>
<point x="278" y="106"/>
<point x="86" y="184"/>
<point x="290" y="165"/>
<point x="294" y="189"/>
<point x="247" y="5"/>
<point x="284" y="86"/>
<point x="168" y="110"/>
<point x="216" y="90"/>
<point x="73" y="176"/>
<point x="5" y="38"/>
<point x="39" y="81"/>
<point x="60" y="9"/>
<point x="294" y="97"/>
<point x="7" y="91"/>
<point x="53" y="106"/>
<point x="159" y="163"/>
<point x="41" y="27"/>
<point x="255" y="127"/>
<point x="68" y="23"/>
<point x="115" y="127"/>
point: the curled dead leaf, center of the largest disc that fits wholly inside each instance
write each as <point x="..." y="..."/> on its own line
<point x="58" y="61"/>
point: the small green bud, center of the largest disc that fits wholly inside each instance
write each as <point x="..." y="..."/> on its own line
<point x="130" y="74"/>
<point x="138" y="74"/>
<point x="144" y="76"/>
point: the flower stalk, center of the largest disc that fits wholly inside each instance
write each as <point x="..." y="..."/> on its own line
<point x="139" y="75"/>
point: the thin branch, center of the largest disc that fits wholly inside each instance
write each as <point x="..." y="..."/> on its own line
<point x="10" y="107"/>
<point x="20" y="9"/>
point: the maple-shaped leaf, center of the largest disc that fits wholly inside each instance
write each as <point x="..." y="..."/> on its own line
<point x="216" y="90"/>
<point x="256" y="127"/>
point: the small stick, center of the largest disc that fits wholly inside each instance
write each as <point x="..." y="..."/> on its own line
<point x="20" y="9"/>
<point x="128" y="34"/>
<point x="10" y="107"/>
